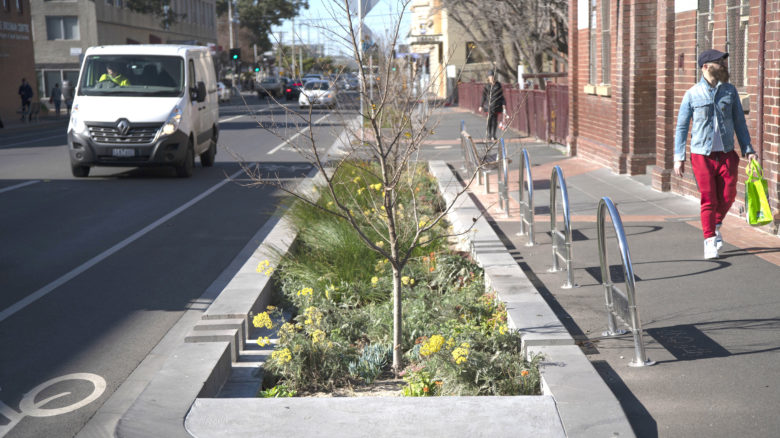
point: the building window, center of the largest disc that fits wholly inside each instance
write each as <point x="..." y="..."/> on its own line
<point x="737" y="41"/>
<point x="606" y="53"/>
<point x="48" y="78"/>
<point x="62" y="28"/>
<point x="19" y="8"/>
<point x="119" y="3"/>
<point x="473" y="54"/>
<point x="705" y="24"/>
<point x="592" y="43"/>
<point x="7" y="5"/>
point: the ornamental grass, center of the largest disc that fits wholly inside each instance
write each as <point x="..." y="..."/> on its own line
<point x="338" y="293"/>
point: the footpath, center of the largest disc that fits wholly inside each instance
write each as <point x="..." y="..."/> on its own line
<point x="711" y="326"/>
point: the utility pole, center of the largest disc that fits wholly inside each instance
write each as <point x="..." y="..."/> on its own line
<point x="279" y="49"/>
<point x="292" y="20"/>
<point x="300" y="50"/>
<point x="360" y="68"/>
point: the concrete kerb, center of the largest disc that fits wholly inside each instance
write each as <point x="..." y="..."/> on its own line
<point x="586" y="405"/>
<point x="201" y="366"/>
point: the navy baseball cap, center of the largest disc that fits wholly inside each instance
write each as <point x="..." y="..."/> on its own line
<point x="711" y="55"/>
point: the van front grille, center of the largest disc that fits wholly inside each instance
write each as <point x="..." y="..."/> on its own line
<point x="109" y="134"/>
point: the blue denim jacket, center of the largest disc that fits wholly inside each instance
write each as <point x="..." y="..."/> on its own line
<point x="701" y="104"/>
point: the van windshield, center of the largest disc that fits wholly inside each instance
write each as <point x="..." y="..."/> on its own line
<point x="132" y="75"/>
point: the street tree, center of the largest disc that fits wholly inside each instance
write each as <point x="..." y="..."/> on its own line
<point x="510" y="31"/>
<point x="258" y="16"/>
<point x="387" y="131"/>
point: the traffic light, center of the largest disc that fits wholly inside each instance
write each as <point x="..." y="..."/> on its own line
<point x="257" y="68"/>
<point x="235" y="54"/>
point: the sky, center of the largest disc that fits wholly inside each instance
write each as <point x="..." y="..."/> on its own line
<point x="380" y="20"/>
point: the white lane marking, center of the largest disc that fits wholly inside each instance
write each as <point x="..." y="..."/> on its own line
<point x="449" y="146"/>
<point x="33" y="140"/>
<point x="18" y="186"/>
<point x="42" y="292"/>
<point x="31" y="407"/>
<point x="289" y="140"/>
<point x="230" y="119"/>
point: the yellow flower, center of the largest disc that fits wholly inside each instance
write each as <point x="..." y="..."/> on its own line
<point x="356" y="180"/>
<point x="328" y="290"/>
<point x="411" y="281"/>
<point x="262" y="320"/>
<point x="282" y="355"/>
<point x="379" y="244"/>
<point x="263" y="341"/>
<point x="524" y="373"/>
<point x="361" y="190"/>
<point x="450" y="343"/>
<point x="262" y="266"/>
<point x="502" y="329"/>
<point x="408" y="134"/>
<point x="317" y="336"/>
<point x="330" y="203"/>
<point x="367" y="213"/>
<point x="405" y="280"/>
<point x="431" y="346"/>
<point x="460" y="355"/>
<point x="374" y="280"/>
<point x="422" y="224"/>
<point x="269" y="271"/>
<point x="377" y="186"/>
<point x="305" y="291"/>
<point x="270" y="308"/>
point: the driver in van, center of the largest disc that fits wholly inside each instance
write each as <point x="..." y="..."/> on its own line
<point x="112" y="74"/>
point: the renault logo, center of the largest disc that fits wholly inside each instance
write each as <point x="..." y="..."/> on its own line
<point x="123" y="126"/>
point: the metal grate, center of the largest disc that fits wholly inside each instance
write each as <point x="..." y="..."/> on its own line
<point x="137" y="134"/>
<point x="737" y="41"/>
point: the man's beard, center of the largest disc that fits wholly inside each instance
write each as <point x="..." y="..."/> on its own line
<point x="721" y="74"/>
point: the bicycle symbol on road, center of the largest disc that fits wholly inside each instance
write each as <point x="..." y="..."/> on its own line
<point x="29" y="407"/>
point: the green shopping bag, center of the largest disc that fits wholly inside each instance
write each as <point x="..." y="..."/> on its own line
<point x="756" y="201"/>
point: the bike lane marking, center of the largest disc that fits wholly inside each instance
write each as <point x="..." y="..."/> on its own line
<point x="42" y="292"/>
<point x="286" y="142"/>
<point x="18" y="186"/>
<point x="29" y="407"/>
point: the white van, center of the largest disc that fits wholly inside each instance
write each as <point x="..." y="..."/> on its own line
<point x="144" y="105"/>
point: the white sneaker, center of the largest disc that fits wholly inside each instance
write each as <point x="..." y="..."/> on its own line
<point x="718" y="238"/>
<point x="710" y="248"/>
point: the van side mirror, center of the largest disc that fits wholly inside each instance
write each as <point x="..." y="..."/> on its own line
<point x="198" y="93"/>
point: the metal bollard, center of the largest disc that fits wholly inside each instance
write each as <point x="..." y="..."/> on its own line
<point x="561" y="240"/>
<point x="526" y="207"/>
<point x="626" y="309"/>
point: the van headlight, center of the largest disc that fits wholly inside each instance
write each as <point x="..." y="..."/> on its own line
<point x="77" y="125"/>
<point x="172" y="124"/>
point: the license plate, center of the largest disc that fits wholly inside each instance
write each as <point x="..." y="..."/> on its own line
<point x="123" y="152"/>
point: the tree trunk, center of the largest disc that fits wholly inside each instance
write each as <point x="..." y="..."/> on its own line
<point x="397" y="321"/>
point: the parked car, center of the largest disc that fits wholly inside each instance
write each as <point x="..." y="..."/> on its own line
<point x="317" y="93"/>
<point x="313" y="76"/>
<point x="293" y="90"/>
<point x="160" y="115"/>
<point x="224" y="92"/>
<point x="270" y="86"/>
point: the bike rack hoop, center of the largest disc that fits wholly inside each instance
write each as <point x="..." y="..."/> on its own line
<point x="629" y="312"/>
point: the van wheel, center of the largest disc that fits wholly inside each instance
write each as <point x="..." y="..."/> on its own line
<point x="207" y="158"/>
<point x="184" y="170"/>
<point x="79" y="171"/>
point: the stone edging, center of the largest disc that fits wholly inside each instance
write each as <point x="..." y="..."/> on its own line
<point x="586" y="405"/>
<point x="178" y="401"/>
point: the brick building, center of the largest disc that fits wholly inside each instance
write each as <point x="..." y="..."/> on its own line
<point x="16" y="55"/>
<point x="631" y="62"/>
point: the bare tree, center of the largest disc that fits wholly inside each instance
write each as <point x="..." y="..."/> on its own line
<point x="511" y="32"/>
<point x="389" y="133"/>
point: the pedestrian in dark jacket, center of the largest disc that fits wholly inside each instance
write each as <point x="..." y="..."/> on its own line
<point x="493" y="103"/>
<point x="26" y="94"/>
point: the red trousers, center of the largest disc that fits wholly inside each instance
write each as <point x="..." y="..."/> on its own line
<point x="716" y="176"/>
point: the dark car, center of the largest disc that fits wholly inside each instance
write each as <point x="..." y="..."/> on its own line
<point x="293" y="89"/>
<point x="269" y="86"/>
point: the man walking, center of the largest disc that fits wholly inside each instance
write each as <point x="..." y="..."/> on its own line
<point x="26" y="94"/>
<point x="717" y="115"/>
<point x="492" y="102"/>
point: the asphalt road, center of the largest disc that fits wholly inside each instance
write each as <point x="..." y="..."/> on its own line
<point x="95" y="271"/>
